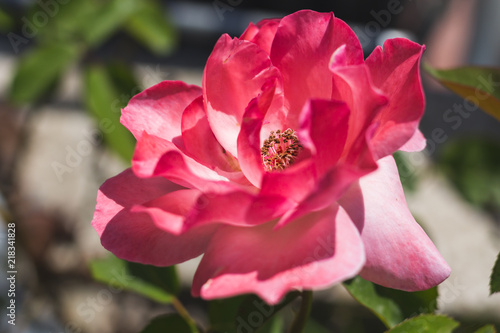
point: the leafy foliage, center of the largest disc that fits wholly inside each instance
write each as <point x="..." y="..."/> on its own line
<point x="426" y="324"/>
<point x="495" y="277"/>
<point x="478" y="85"/>
<point x="157" y="283"/>
<point x="39" y="70"/>
<point x="103" y="101"/>
<point x="472" y="166"/>
<point x="247" y="312"/>
<point x="169" y="323"/>
<point x="389" y="305"/>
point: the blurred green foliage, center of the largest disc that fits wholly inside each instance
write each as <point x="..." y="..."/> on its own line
<point x="426" y="324"/>
<point x="473" y="166"/>
<point x="389" y="305"/>
<point x="73" y="33"/>
<point x="169" y="323"/>
<point x="160" y="284"/>
<point x="495" y="277"/>
<point x="478" y="85"/>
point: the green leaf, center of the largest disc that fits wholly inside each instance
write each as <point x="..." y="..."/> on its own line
<point x="406" y="171"/>
<point x="156" y="283"/>
<point x="149" y="25"/>
<point x="40" y="69"/>
<point x="472" y="166"/>
<point x="495" y="277"/>
<point x="104" y="101"/>
<point x="386" y="309"/>
<point x="487" y="329"/>
<point x="109" y="17"/>
<point x="244" y="313"/>
<point x="313" y="327"/>
<point x="426" y="324"/>
<point x="6" y="22"/>
<point x="222" y="313"/>
<point x="275" y="325"/>
<point x="169" y="323"/>
<point x="67" y="22"/>
<point x="411" y="303"/>
<point x="477" y="84"/>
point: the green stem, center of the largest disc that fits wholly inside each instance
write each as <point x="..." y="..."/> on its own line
<point x="305" y="308"/>
<point x="184" y="314"/>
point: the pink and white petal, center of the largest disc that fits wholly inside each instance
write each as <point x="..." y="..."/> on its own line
<point x="181" y="211"/>
<point x="169" y="211"/>
<point x="327" y="191"/>
<point x="323" y="129"/>
<point x="262" y="33"/>
<point x="301" y="50"/>
<point x="158" y="110"/>
<point x="294" y="183"/>
<point x="416" y="143"/>
<point x="154" y="156"/>
<point x="200" y="142"/>
<point x="235" y="73"/>
<point x="353" y="85"/>
<point x="250" y="136"/>
<point x="134" y="236"/>
<point x="314" y="252"/>
<point x="399" y="254"/>
<point x="395" y="70"/>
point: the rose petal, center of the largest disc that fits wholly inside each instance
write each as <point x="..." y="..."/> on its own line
<point x="395" y="71"/>
<point x="316" y="251"/>
<point x="158" y="110"/>
<point x="416" y="143"/>
<point x="323" y="129"/>
<point x="134" y="236"/>
<point x="200" y="142"/>
<point x="327" y="191"/>
<point x="250" y="139"/>
<point x="354" y="86"/>
<point x="235" y="73"/>
<point x="262" y="33"/>
<point x="398" y="252"/>
<point x="301" y="50"/>
<point x="154" y="156"/>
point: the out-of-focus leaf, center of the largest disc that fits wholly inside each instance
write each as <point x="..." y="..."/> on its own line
<point x="169" y="323"/>
<point x="411" y="303"/>
<point x="124" y="80"/>
<point x="222" y="313"/>
<point x="426" y="324"/>
<point x="244" y="313"/>
<point x="406" y="171"/>
<point x="66" y="20"/>
<point x="6" y="22"/>
<point x="480" y="85"/>
<point x="150" y="26"/>
<point x="472" y="166"/>
<point x="152" y="282"/>
<point x="253" y="309"/>
<point x="487" y="329"/>
<point x="39" y="69"/>
<point x="107" y="19"/>
<point x="383" y="307"/>
<point x="163" y="277"/>
<point x="313" y="327"/>
<point x="495" y="277"/>
<point x="104" y="102"/>
<point x="275" y="325"/>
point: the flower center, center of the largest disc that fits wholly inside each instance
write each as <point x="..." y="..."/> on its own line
<point x="280" y="150"/>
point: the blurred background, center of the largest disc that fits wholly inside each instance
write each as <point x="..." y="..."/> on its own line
<point x="68" y="66"/>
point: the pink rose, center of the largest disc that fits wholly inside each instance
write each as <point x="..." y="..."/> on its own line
<point x="279" y="168"/>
